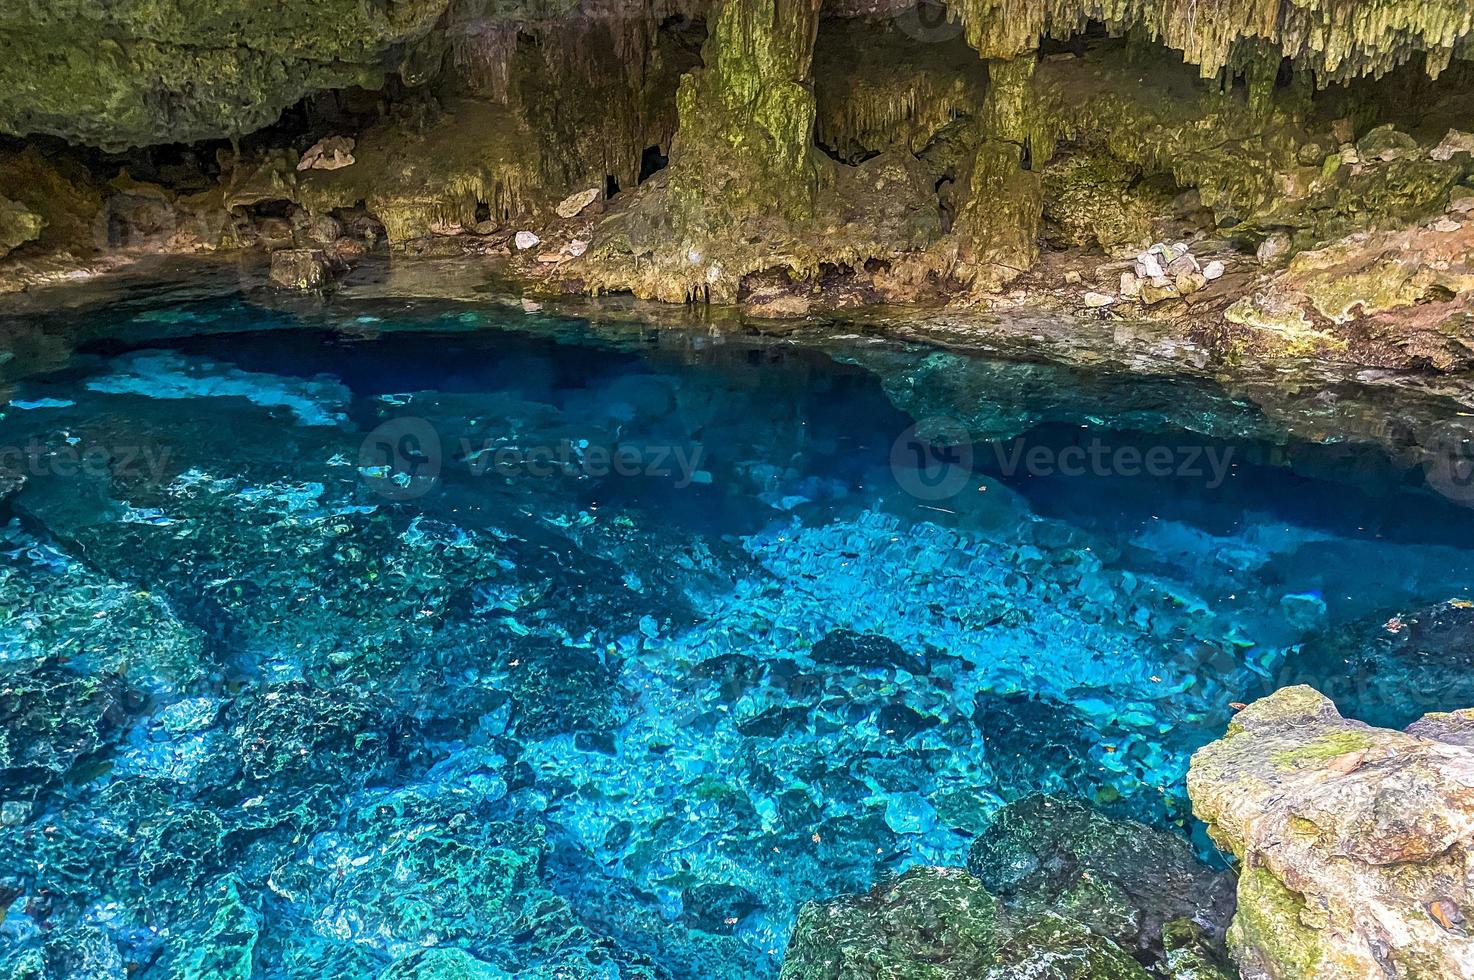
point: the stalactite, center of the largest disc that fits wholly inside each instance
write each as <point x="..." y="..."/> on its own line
<point x="1336" y="39"/>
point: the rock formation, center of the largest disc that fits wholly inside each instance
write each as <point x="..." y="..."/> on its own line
<point x="1053" y="890"/>
<point x="786" y="156"/>
<point x="1354" y="842"/>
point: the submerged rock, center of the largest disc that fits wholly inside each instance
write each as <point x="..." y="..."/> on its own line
<point x="1354" y="841"/>
<point x="1053" y="891"/>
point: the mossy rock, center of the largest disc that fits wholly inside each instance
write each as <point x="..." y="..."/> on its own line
<point x="929" y="924"/>
<point x="1056" y="948"/>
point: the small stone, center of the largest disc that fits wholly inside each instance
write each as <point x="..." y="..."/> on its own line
<point x="574" y="204"/>
<point x="1188" y="283"/>
<point x="1461" y="201"/>
<point x="1214" y="271"/>
<point x="576" y="247"/>
<point x="1182" y="265"/>
<point x="1073" y="278"/>
<point x="190" y="715"/>
<point x="1148" y="266"/>
<point x="1446" y="226"/>
<point x="1274" y="249"/>
<point x="1455" y="142"/>
<point x="1158" y="291"/>
<point x="1130" y="285"/>
<point x="531" y="306"/>
<point x="1095" y="301"/>
<point x="549" y="258"/>
<point x="910" y="813"/>
<point x="328" y="153"/>
<point x="526" y="240"/>
<point x="483" y="228"/>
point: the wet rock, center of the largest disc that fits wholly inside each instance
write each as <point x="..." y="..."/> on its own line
<point x="301" y="268"/>
<point x="1353" y="841"/>
<point x="1057" y="948"/>
<point x="328" y="153"/>
<point x="1123" y="880"/>
<point x="846" y="648"/>
<point x="51" y="717"/>
<point x="937" y="922"/>
<point x="574" y="204"/>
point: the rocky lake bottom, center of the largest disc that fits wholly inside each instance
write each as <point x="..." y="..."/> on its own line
<point x="338" y="642"/>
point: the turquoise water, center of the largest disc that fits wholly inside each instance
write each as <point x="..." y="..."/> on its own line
<point x="597" y="651"/>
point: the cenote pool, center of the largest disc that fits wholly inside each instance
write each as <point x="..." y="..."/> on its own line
<point x="596" y="651"/>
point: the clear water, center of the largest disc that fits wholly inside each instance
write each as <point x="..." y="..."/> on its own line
<point x="597" y="651"/>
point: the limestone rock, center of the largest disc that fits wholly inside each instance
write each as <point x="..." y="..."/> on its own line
<point x="328" y="153"/>
<point x="1096" y="301"/>
<point x="1453" y="143"/>
<point x="1386" y="143"/>
<point x="18" y="225"/>
<point x="1274" y="249"/>
<point x="1354" y="842"/>
<point x="133" y="74"/>
<point x="301" y="268"/>
<point x="574" y="204"/>
<point x="526" y="240"/>
<point x="940" y="920"/>
<point x="1123" y="880"/>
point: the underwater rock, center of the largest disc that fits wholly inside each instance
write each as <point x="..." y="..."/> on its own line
<point x="1354" y="842"/>
<point x="50" y="717"/>
<point x="1123" y="880"/>
<point x="1053" y="890"/>
<point x="930" y="922"/>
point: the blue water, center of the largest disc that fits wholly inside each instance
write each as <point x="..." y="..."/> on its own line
<point x="597" y="650"/>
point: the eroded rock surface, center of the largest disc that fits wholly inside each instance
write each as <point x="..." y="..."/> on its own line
<point x="1053" y="891"/>
<point x="1354" y="841"/>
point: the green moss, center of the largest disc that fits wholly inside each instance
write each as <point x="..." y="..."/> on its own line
<point x="1322" y="749"/>
<point x="1268" y="926"/>
<point x="138" y="72"/>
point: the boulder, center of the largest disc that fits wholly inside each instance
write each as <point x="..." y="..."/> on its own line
<point x="1122" y="879"/>
<point x="1354" y="842"/>
<point x="18" y="225"/>
<point x="301" y="268"/>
